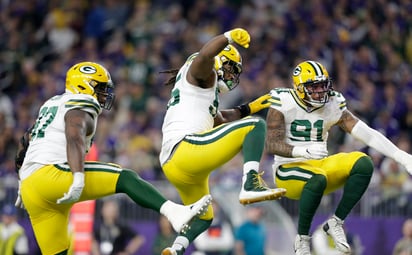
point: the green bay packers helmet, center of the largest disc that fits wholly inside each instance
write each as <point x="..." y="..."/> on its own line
<point x="311" y="83"/>
<point x="228" y="65"/>
<point x="92" y="79"/>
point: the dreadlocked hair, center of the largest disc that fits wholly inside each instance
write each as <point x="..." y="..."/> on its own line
<point x="172" y="79"/>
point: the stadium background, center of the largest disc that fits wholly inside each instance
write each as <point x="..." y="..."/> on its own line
<point x="365" y="45"/>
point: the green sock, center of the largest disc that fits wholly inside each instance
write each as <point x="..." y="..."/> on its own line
<point x="309" y="202"/>
<point x="197" y="226"/>
<point x="139" y="190"/>
<point x="355" y="186"/>
<point x="254" y="143"/>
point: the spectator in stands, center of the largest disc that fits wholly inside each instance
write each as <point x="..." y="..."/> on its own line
<point x="111" y="236"/>
<point x="404" y="245"/>
<point x="13" y="239"/>
<point x="164" y="236"/>
<point x="251" y="234"/>
<point x="394" y="182"/>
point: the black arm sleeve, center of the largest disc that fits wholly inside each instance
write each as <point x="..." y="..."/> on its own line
<point x="22" y="149"/>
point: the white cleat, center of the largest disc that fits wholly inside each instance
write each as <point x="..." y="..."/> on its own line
<point x="334" y="228"/>
<point x="183" y="215"/>
<point x="249" y="197"/>
<point x="302" y="245"/>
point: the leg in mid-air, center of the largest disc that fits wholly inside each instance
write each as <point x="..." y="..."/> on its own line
<point x="312" y="179"/>
<point x="253" y="188"/>
<point x="309" y="202"/>
<point x="218" y="145"/>
<point x="354" y="188"/>
<point x="146" y="195"/>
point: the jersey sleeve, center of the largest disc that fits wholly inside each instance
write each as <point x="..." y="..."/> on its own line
<point x="276" y="99"/>
<point x="339" y="99"/>
<point x="84" y="103"/>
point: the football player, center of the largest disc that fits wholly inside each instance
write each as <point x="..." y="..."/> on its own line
<point x="298" y="122"/>
<point x="54" y="174"/>
<point x="198" y="137"/>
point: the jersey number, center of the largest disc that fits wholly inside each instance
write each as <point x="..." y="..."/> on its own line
<point x="302" y="129"/>
<point x="46" y="116"/>
<point x="175" y="99"/>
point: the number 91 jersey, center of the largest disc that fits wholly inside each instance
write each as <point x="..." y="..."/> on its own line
<point x="306" y="125"/>
<point x="48" y="139"/>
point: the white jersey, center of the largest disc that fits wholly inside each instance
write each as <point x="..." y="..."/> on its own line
<point x="48" y="139"/>
<point x="305" y="126"/>
<point x="190" y="110"/>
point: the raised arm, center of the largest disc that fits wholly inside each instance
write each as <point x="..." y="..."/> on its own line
<point x="202" y="72"/>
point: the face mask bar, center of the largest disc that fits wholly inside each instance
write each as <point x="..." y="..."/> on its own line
<point x="321" y="88"/>
<point x="235" y="70"/>
<point x="105" y="94"/>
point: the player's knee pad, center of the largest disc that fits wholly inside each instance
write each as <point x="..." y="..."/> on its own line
<point x="317" y="183"/>
<point x="363" y="165"/>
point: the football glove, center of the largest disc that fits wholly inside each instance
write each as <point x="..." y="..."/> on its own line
<point x="314" y="151"/>
<point x="75" y="190"/>
<point x="239" y="36"/>
<point x="259" y="104"/>
<point x="255" y="106"/>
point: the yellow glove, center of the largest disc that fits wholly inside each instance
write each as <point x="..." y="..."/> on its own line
<point x="239" y="36"/>
<point x="260" y="103"/>
<point x="255" y="106"/>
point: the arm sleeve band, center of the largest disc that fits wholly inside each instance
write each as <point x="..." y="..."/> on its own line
<point x="244" y="110"/>
<point x="376" y="140"/>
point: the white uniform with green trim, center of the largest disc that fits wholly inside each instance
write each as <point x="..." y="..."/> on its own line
<point x="48" y="140"/>
<point x="303" y="125"/>
<point x="190" y="110"/>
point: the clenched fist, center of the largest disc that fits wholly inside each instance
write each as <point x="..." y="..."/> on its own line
<point x="239" y="36"/>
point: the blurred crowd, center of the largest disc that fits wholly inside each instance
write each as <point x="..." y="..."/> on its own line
<point x="365" y="45"/>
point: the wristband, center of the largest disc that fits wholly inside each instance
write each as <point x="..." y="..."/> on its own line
<point x="244" y="110"/>
<point x="229" y="37"/>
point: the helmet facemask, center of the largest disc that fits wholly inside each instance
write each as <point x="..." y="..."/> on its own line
<point x="316" y="92"/>
<point x="228" y="65"/>
<point x="229" y="74"/>
<point x="104" y="92"/>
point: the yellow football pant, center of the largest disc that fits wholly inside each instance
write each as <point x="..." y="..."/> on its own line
<point x="41" y="190"/>
<point x="196" y="156"/>
<point x="335" y="168"/>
